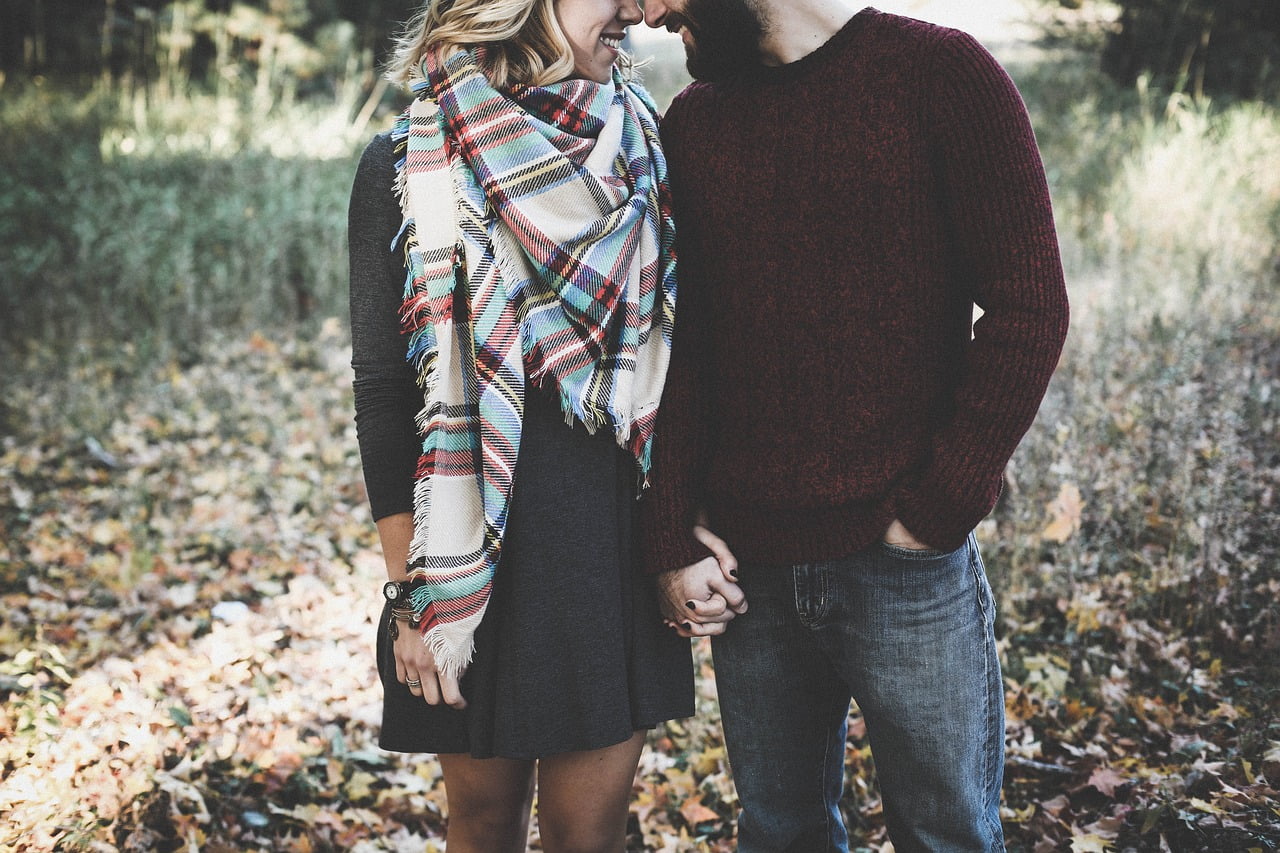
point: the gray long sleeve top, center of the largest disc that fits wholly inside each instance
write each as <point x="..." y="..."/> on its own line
<point x="386" y="396"/>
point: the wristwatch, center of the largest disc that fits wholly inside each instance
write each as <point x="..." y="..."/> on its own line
<point x="397" y="592"/>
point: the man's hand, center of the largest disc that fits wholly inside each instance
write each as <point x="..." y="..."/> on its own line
<point x="700" y="600"/>
<point x="898" y="535"/>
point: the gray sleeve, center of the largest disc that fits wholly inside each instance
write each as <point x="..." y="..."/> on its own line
<point x="386" y="396"/>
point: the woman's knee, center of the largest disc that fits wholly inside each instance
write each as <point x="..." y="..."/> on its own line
<point x="492" y="812"/>
<point x="576" y="836"/>
<point x="489" y="802"/>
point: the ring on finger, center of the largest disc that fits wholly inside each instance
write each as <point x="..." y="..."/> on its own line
<point x="413" y="683"/>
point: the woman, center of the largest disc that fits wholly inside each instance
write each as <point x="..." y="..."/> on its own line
<point x="512" y="289"/>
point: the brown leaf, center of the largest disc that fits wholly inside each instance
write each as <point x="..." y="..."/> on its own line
<point x="1057" y="805"/>
<point x="1106" y="780"/>
<point x="694" y="812"/>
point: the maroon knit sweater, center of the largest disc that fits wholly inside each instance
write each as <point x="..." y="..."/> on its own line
<point x="838" y="219"/>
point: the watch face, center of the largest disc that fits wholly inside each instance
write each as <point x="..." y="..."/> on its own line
<point x="391" y="591"/>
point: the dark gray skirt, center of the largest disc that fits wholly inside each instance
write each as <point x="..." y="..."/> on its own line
<point x="571" y="654"/>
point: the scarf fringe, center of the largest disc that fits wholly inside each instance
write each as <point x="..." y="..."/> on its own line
<point x="453" y="644"/>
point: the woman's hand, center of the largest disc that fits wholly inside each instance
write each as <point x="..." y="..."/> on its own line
<point x="416" y="669"/>
<point x="700" y="600"/>
<point x="415" y="665"/>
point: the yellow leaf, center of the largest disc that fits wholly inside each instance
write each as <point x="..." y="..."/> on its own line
<point x="1064" y="512"/>
<point x="108" y="532"/>
<point x="708" y="761"/>
<point x="1089" y="844"/>
<point x="361" y="786"/>
<point x="1204" y="806"/>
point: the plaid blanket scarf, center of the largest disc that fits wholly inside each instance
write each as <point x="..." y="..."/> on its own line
<point x="539" y="249"/>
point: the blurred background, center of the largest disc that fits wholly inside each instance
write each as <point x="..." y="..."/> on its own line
<point x="187" y="563"/>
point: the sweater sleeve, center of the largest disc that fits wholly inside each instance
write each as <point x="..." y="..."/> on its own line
<point x="669" y="505"/>
<point x="386" y="396"/>
<point x="996" y="202"/>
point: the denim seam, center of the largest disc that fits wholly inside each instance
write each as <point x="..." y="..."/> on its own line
<point x="990" y="789"/>
<point x="994" y="695"/>
<point x="822" y="775"/>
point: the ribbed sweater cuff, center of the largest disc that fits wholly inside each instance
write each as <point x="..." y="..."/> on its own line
<point x="673" y="551"/>
<point x="943" y="520"/>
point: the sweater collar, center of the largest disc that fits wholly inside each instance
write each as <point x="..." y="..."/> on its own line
<point x="834" y="46"/>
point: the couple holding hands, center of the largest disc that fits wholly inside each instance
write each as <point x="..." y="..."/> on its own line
<point x="753" y="313"/>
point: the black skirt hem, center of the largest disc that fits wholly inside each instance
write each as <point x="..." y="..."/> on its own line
<point x="534" y="756"/>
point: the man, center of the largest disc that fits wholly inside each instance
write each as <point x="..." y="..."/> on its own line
<point x="848" y="185"/>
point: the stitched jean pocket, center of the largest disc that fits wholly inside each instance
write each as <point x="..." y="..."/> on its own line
<point x="911" y="553"/>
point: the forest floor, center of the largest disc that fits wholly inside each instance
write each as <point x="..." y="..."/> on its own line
<point x="189" y="581"/>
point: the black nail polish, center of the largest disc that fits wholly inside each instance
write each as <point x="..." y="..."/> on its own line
<point x="687" y="626"/>
<point x="733" y="573"/>
<point x="690" y="605"/>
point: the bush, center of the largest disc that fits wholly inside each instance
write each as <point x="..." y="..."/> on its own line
<point x="159" y="229"/>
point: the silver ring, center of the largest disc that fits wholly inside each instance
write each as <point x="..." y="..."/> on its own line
<point x="413" y="684"/>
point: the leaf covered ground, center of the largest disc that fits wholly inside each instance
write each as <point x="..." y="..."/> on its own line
<point x="189" y="577"/>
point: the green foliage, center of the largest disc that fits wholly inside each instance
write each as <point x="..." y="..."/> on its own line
<point x="1168" y="201"/>
<point x="35" y="677"/>
<point x="157" y="231"/>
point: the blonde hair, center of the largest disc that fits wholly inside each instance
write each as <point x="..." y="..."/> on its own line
<point x="524" y="40"/>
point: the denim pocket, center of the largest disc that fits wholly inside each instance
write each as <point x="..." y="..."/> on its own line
<point x="911" y="553"/>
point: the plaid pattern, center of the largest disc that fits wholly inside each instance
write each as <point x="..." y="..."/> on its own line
<point x="539" y="249"/>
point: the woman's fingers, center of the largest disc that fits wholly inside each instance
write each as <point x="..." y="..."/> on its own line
<point x="416" y="669"/>
<point x="711" y="607"/>
<point x="719" y="548"/>
<point x="735" y="599"/>
<point x="430" y="690"/>
<point x="698" y="599"/>
<point x="688" y="628"/>
<point x="450" y="694"/>
<point x="414" y="683"/>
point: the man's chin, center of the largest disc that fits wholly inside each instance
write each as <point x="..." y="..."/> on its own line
<point x="707" y="69"/>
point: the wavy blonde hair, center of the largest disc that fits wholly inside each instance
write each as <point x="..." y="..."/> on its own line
<point x="524" y="39"/>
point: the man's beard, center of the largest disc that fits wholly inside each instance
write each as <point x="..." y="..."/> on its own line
<point x="725" y="36"/>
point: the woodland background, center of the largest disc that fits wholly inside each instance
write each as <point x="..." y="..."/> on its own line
<point x="188" y="568"/>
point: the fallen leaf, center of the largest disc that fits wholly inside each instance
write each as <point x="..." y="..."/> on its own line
<point x="1064" y="512"/>
<point x="1090" y="843"/>
<point x="694" y="812"/>
<point x="1106" y="780"/>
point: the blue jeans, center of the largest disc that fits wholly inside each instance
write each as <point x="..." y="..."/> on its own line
<point x="908" y="635"/>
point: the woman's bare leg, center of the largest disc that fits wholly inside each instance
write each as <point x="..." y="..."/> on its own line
<point x="583" y="798"/>
<point x="489" y="802"/>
